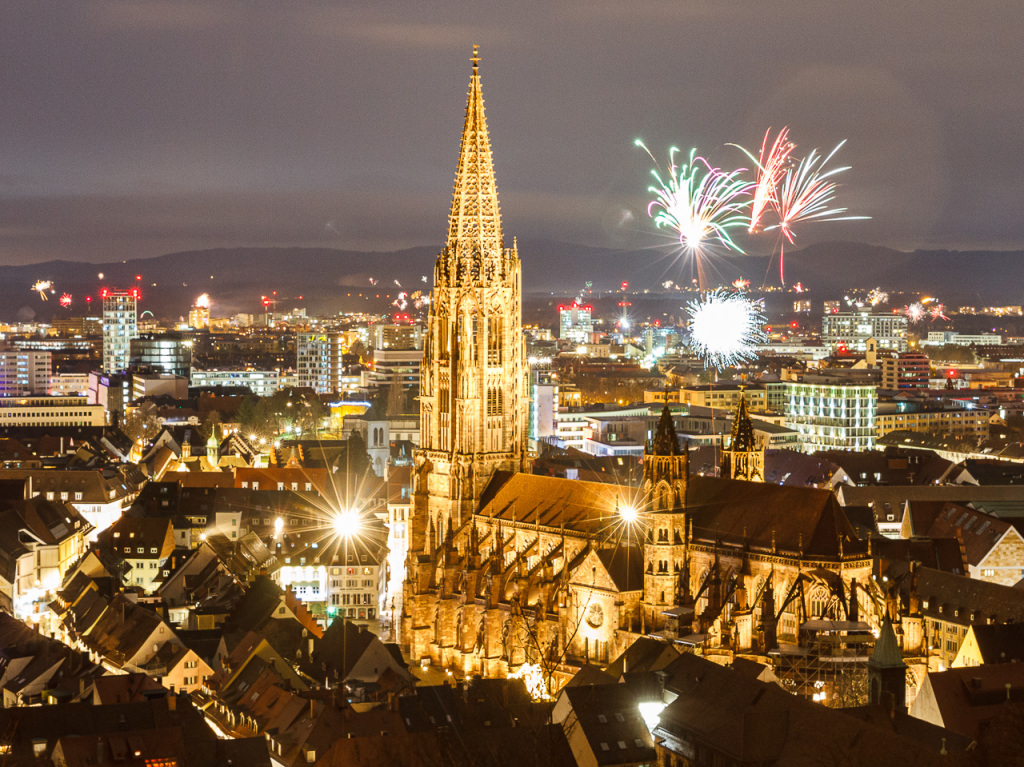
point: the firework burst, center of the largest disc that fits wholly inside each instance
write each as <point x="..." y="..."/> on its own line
<point x="806" y="193"/>
<point x="771" y="168"/>
<point x="877" y="296"/>
<point x="42" y="287"/>
<point x="725" y="327"/>
<point x="65" y="300"/>
<point x="700" y="203"/>
<point x="915" y="312"/>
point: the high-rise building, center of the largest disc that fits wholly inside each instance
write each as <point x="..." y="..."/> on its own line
<point x="392" y="366"/>
<point x="120" y="326"/>
<point x="543" y="405"/>
<point x="850" y="331"/>
<point x="319" y="364"/>
<point x="576" y="323"/>
<point x="473" y="398"/>
<point x="398" y="337"/>
<point x="199" y="317"/>
<point x="24" y="373"/>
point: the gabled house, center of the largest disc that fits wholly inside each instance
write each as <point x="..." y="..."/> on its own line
<point x="39" y="542"/>
<point x="144" y="544"/>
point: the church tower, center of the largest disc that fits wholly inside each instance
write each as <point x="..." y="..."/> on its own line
<point x="743" y="459"/>
<point x="473" y="401"/>
<point x="666" y="565"/>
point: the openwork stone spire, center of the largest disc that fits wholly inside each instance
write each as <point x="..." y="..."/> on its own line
<point x="475" y="220"/>
<point x="742" y="436"/>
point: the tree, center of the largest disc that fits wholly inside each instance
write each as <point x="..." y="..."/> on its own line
<point x="142" y="424"/>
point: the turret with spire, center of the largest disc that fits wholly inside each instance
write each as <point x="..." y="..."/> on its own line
<point x="744" y="458"/>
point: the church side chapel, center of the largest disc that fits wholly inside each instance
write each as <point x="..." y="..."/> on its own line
<point x="508" y="570"/>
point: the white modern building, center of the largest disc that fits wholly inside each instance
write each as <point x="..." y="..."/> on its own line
<point x="952" y="338"/>
<point x="850" y="331"/>
<point x="832" y="417"/>
<point x="50" y="411"/>
<point x="575" y="323"/>
<point x="262" y="383"/>
<point x="319" y="360"/>
<point x="390" y="365"/>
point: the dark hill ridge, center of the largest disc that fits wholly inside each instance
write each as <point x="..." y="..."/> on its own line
<point x="236" y="278"/>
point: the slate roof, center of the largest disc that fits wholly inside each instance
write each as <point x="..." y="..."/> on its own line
<point x="748" y="721"/>
<point x="611" y="723"/>
<point x="968" y="698"/>
<point x="978" y="531"/>
<point x="1000" y="643"/>
<point x="937" y="553"/>
<point x="625" y="566"/>
<point x="645" y="654"/>
<point x="963" y="600"/>
<point x="340" y="648"/>
<point x="791" y="519"/>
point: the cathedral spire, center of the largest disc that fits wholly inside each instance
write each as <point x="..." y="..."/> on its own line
<point x="475" y="219"/>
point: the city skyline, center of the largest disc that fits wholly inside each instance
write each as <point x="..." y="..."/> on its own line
<point x="134" y="130"/>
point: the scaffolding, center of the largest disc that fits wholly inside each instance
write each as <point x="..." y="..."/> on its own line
<point x="829" y="663"/>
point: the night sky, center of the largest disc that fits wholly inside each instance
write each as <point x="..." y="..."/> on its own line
<point x="133" y="129"/>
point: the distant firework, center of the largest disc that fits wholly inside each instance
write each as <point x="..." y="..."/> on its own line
<point x="741" y="284"/>
<point x="877" y="296"/>
<point x="806" y="194"/>
<point x="725" y="327"/>
<point x="65" y="300"/>
<point x="915" y="312"/>
<point x="42" y="287"/>
<point x="203" y="302"/>
<point x="938" y="312"/>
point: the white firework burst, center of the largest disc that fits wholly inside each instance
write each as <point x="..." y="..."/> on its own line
<point x="725" y="327"/>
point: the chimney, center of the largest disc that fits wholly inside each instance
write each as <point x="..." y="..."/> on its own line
<point x="101" y="751"/>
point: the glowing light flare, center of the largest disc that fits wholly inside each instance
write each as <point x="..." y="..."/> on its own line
<point x="741" y="284"/>
<point x="629" y="514"/>
<point x="203" y="301"/>
<point x="347" y="523"/>
<point x="725" y="327"/>
<point x="533" y="678"/>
